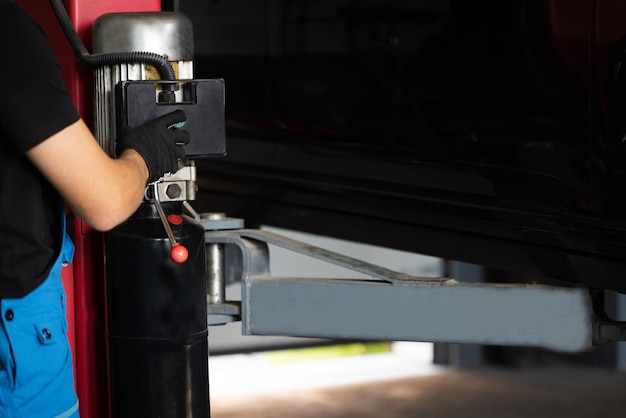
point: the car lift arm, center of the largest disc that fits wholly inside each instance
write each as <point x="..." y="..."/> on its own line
<point x="396" y="306"/>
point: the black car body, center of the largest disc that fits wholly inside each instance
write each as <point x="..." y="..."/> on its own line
<point x="487" y="131"/>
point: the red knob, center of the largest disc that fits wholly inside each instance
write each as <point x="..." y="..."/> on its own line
<point x="179" y="253"/>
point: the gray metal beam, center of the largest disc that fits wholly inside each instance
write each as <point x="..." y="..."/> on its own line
<point x="542" y="316"/>
<point x="396" y="306"/>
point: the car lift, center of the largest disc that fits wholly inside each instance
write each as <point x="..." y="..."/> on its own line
<point x="390" y="306"/>
<point x="394" y="306"/>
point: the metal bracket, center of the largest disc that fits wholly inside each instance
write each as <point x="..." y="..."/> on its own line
<point x="397" y="306"/>
<point x="219" y="311"/>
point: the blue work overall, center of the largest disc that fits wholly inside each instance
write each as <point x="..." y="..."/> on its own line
<point x="36" y="378"/>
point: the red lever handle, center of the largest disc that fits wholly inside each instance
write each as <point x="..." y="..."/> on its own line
<point x="178" y="252"/>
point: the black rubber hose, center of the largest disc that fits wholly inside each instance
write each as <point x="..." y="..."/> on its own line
<point x="98" y="60"/>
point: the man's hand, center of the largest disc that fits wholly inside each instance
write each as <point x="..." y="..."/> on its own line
<point x="159" y="142"/>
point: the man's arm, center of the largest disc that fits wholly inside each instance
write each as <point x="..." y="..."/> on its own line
<point x="100" y="190"/>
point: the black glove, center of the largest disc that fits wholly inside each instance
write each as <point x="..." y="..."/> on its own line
<point x="159" y="142"/>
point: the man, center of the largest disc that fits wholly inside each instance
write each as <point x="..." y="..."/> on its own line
<point x="47" y="156"/>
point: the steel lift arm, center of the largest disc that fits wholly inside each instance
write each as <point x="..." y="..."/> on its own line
<point x="392" y="306"/>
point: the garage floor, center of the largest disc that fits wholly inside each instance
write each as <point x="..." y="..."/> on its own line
<point x="573" y="392"/>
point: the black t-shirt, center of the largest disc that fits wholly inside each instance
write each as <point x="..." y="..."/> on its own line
<point x="34" y="105"/>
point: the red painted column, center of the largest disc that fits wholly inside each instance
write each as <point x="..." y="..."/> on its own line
<point x="85" y="279"/>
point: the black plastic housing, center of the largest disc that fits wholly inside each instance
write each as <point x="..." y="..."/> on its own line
<point x="140" y="101"/>
<point x="157" y="326"/>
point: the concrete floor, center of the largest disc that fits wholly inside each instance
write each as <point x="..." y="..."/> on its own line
<point x="553" y="391"/>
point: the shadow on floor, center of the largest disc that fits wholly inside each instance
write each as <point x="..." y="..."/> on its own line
<point x="549" y="392"/>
